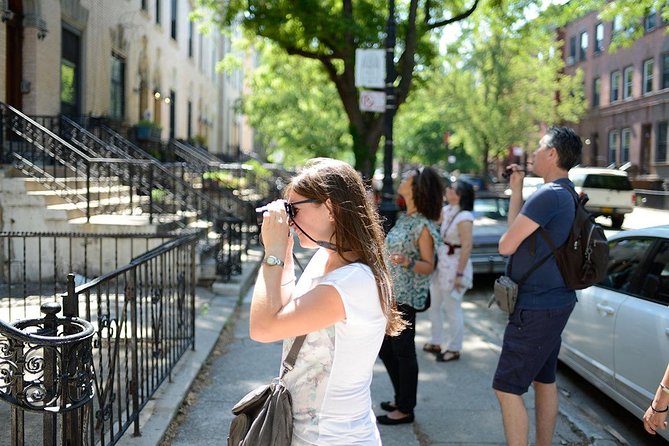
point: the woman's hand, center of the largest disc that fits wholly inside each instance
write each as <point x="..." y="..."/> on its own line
<point x="275" y="230"/>
<point x="399" y="259"/>
<point x="652" y="421"/>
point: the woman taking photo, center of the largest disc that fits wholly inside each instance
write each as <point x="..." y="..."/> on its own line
<point x="342" y="302"/>
<point x="454" y="273"/>
<point x="411" y="245"/>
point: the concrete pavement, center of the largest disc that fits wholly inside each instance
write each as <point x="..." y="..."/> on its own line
<point x="456" y="405"/>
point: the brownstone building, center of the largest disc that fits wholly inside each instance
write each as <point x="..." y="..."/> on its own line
<point x="627" y="94"/>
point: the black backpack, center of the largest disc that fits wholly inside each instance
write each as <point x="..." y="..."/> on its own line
<point x="583" y="259"/>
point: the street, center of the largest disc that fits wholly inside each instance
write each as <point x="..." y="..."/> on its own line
<point x="579" y="400"/>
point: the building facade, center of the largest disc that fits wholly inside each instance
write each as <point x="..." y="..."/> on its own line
<point x="627" y="94"/>
<point x="129" y="60"/>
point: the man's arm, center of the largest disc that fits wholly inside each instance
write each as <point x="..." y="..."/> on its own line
<point x="519" y="230"/>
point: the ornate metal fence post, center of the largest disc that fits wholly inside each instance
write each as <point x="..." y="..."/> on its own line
<point x="46" y="366"/>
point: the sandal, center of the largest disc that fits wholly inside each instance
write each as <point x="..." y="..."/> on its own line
<point x="448" y="356"/>
<point x="432" y="348"/>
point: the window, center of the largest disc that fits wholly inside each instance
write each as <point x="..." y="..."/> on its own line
<point x="572" y="51"/>
<point x="661" y="148"/>
<point x="158" y="2"/>
<point x="650" y="21"/>
<point x="615" y="86"/>
<point x="173" y="20"/>
<point x="596" y="90"/>
<point x="628" y="76"/>
<point x="625" y="255"/>
<point x="625" y="145"/>
<point x="145" y="7"/>
<point x="654" y="282"/>
<point x="190" y="39"/>
<point x="648" y="75"/>
<point x="613" y="146"/>
<point x="70" y="73"/>
<point x="599" y="38"/>
<point x="617" y="25"/>
<point x="584" y="46"/>
<point x="665" y="70"/>
<point x="117" y="87"/>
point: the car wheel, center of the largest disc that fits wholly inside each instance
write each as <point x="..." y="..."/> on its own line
<point x="617" y="221"/>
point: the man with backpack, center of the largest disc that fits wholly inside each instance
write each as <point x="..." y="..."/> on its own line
<point x="533" y="334"/>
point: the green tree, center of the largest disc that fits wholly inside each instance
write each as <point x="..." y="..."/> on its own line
<point x="627" y="15"/>
<point x="292" y="109"/>
<point x="502" y="80"/>
<point x="330" y="31"/>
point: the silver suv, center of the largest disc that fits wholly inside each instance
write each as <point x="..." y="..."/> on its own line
<point x="609" y="191"/>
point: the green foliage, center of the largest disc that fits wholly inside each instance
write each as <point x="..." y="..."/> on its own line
<point x="629" y="15"/>
<point x="500" y="82"/>
<point x="329" y="32"/>
<point x="295" y="109"/>
<point x="225" y="179"/>
<point x="147" y="123"/>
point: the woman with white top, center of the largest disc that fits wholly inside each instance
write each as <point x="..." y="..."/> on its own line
<point x="342" y="302"/>
<point x="453" y="275"/>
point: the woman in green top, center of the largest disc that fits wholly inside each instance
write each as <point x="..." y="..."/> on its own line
<point x="411" y="245"/>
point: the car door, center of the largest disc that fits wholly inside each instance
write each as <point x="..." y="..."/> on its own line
<point x="641" y="340"/>
<point x="588" y="339"/>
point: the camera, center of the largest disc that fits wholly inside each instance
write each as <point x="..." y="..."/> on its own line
<point x="508" y="172"/>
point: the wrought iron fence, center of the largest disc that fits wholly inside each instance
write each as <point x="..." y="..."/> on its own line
<point x="142" y="314"/>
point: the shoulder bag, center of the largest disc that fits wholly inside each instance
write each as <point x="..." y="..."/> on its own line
<point x="264" y="417"/>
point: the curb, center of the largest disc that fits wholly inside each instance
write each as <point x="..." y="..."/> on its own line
<point x="215" y="308"/>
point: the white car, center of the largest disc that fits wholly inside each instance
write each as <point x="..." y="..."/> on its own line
<point x="618" y="335"/>
<point x="609" y="191"/>
<point x="530" y="184"/>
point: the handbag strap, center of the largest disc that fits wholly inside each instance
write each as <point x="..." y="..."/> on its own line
<point x="291" y="357"/>
<point x="443" y="236"/>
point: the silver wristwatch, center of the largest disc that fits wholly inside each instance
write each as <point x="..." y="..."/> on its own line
<point x="273" y="261"/>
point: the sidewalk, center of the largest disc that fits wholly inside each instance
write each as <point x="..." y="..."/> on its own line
<point x="456" y="405"/>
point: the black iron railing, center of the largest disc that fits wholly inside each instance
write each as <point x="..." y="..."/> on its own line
<point x="142" y="314"/>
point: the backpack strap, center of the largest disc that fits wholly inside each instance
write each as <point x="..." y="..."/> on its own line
<point x="544" y="234"/>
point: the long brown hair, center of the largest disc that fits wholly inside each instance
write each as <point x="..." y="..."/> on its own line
<point x="358" y="229"/>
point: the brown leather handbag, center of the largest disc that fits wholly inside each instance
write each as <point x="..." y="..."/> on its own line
<point x="264" y="416"/>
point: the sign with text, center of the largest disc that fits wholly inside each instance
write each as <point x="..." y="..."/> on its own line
<point x="373" y="101"/>
<point x="370" y="68"/>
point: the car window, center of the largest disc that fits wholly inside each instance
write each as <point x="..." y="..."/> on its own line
<point x="495" y="208"/>
<point x="615" y="182"/>
<point x="655" y="280"/>
<point x="625" y="255"/>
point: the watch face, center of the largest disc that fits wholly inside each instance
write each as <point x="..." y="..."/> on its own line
<point x="271" y="260"/>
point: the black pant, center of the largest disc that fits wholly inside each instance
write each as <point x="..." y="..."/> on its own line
<point x="398" y="354"/>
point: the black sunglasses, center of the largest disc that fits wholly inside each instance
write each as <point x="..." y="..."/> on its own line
<point x="290" y="207"/>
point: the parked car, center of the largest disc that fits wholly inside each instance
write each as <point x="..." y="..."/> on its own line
<point x="617" y="335"/>
<point x="478" y="182"/>
<point x="609" y="191"/>
<point x="530" y="184"/>
<point x="490" y="222"/>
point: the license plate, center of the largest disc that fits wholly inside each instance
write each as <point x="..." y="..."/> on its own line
<point x="607" y="210"/>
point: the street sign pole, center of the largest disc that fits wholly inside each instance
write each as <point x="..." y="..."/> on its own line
<point x="388" y="208"/>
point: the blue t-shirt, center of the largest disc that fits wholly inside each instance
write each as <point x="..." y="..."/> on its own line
<point x="553" y="208"/>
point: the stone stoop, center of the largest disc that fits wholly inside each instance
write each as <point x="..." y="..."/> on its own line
<point x="26" y="205"/>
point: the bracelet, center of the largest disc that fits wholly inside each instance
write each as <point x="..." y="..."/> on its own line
<point x="658" y="411"/>
<point x="664" y="388"/>
<point x="411" y="264"/>
<point x="459" y="274"/>
<point x="289" y="282"/>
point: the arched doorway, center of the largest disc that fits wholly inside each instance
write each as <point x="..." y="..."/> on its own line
<point x="14" y="52"/>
